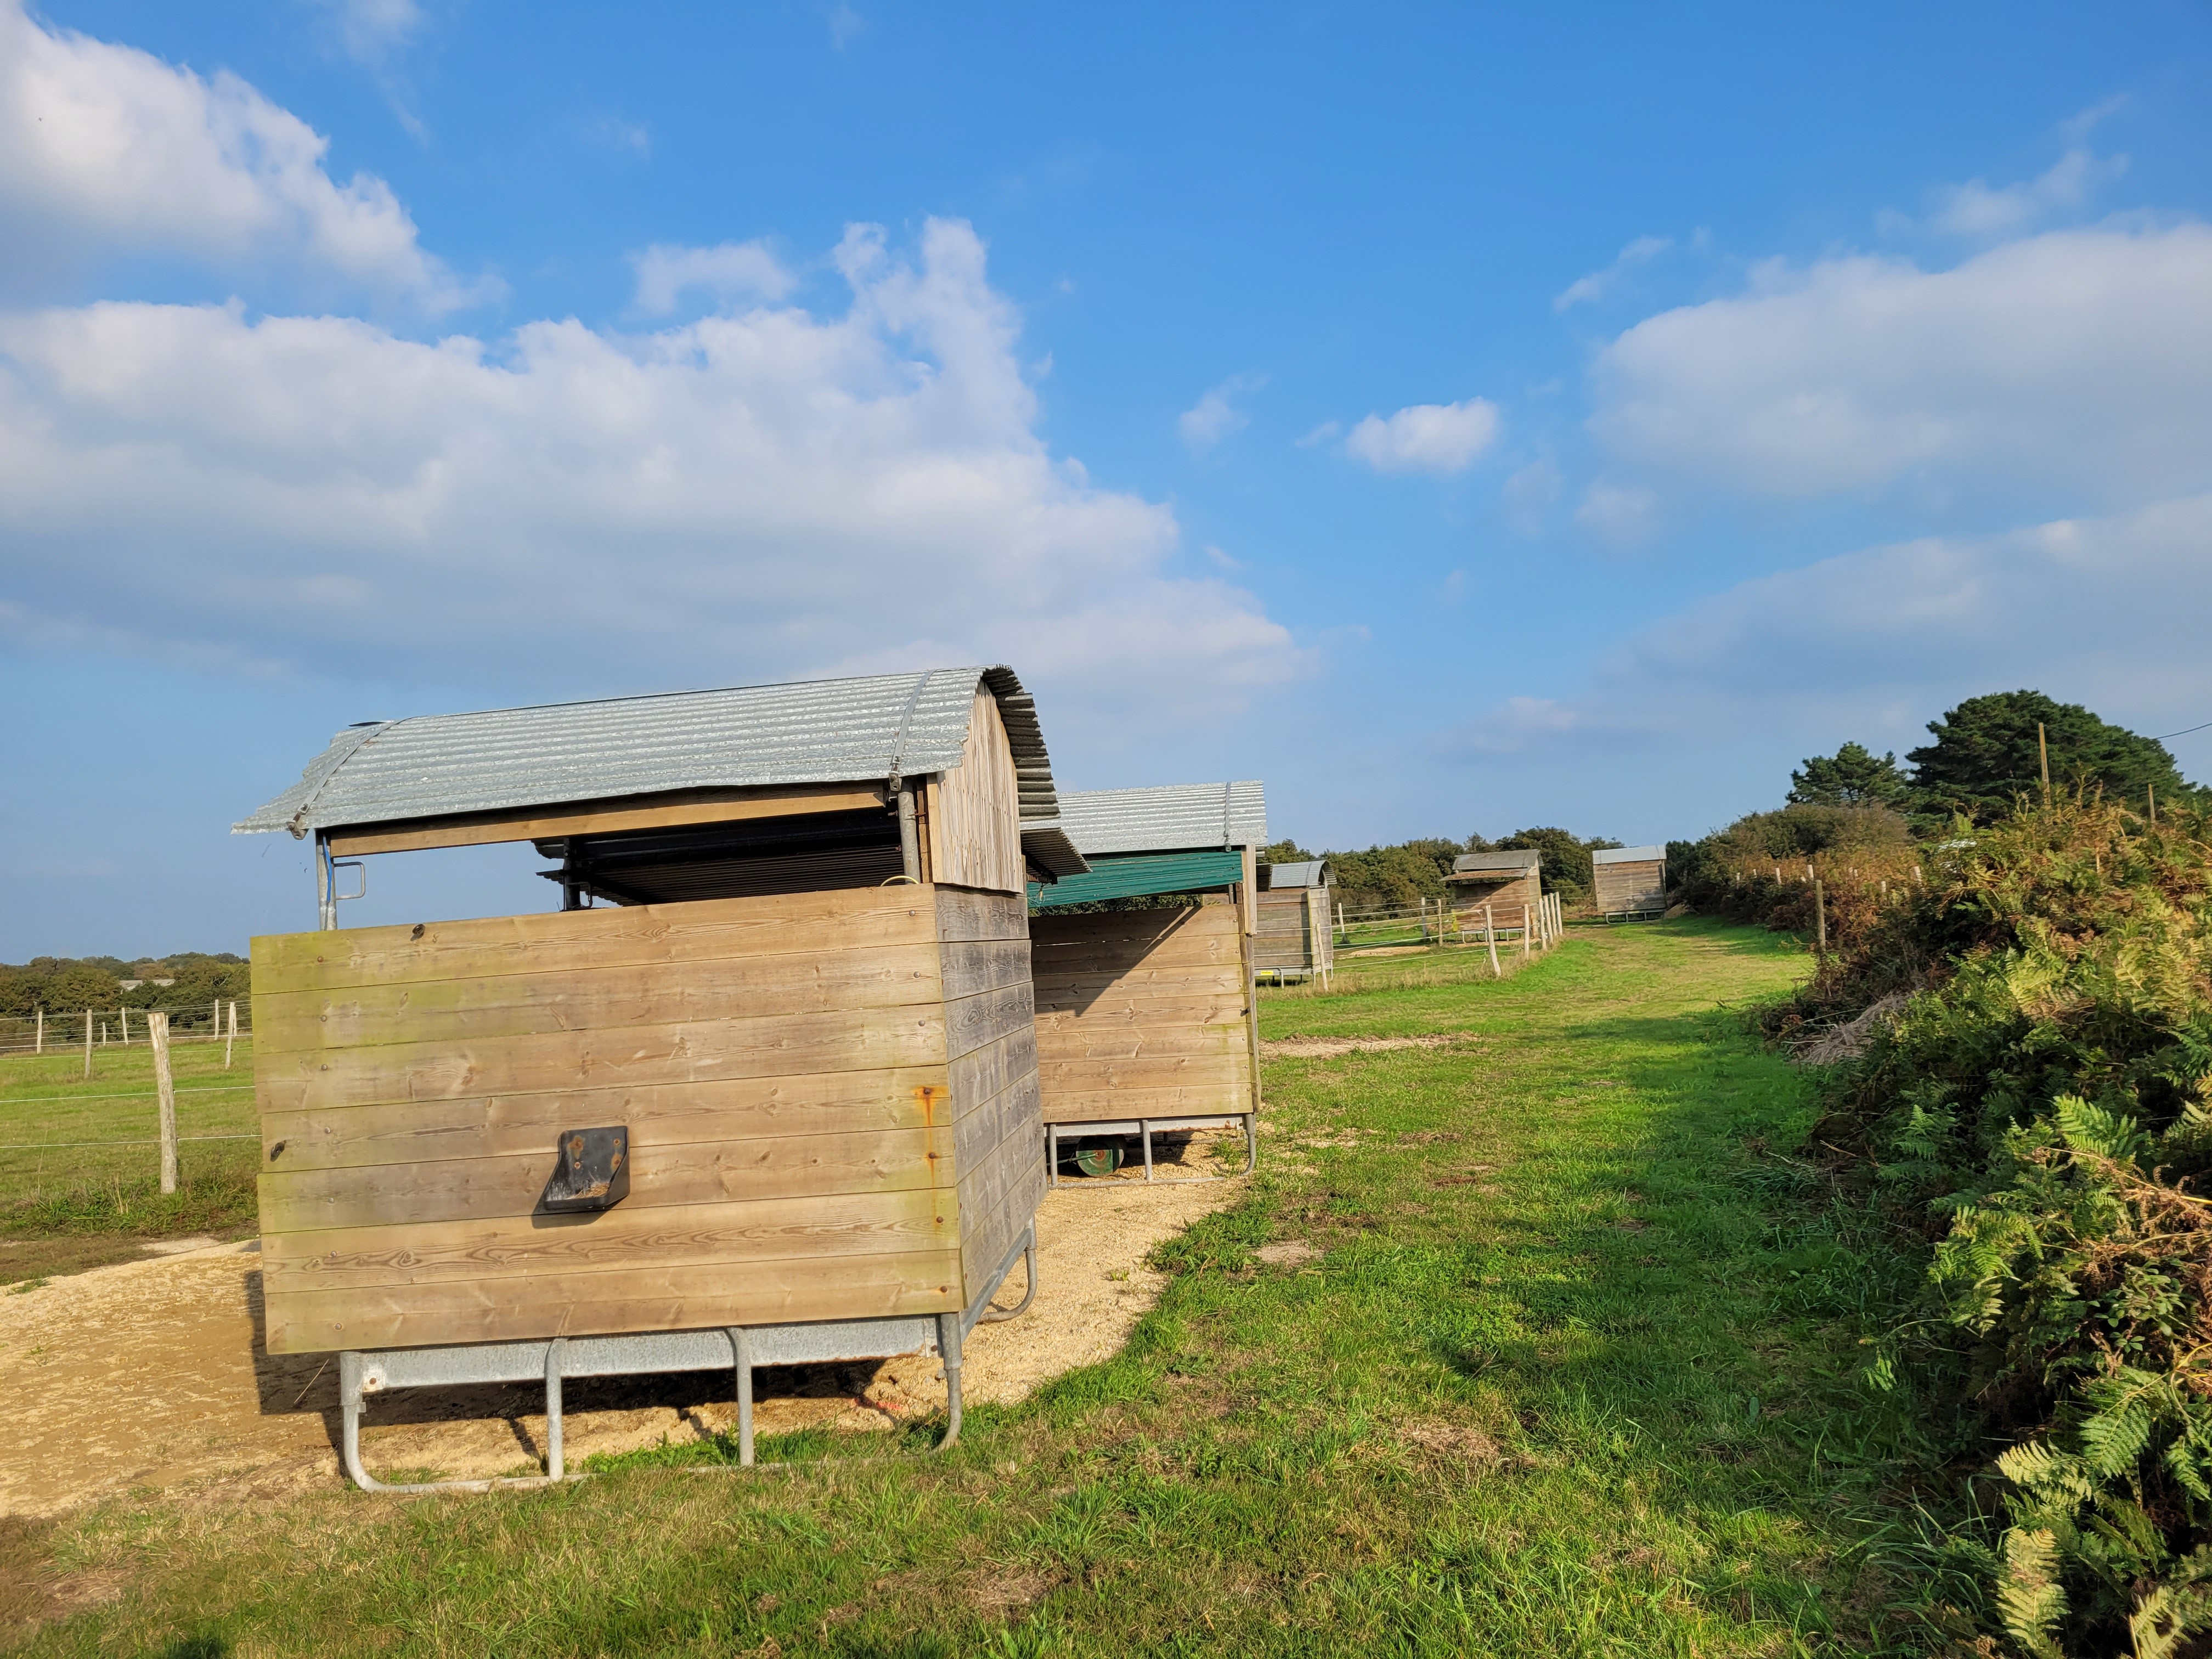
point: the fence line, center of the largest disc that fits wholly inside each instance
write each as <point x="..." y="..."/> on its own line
<point x="74" y="1029"/>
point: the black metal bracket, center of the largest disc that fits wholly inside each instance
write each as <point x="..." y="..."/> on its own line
<point x="591" y="1171"/>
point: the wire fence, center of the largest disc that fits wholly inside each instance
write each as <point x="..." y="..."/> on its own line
<point x="58" y="1031"/>
<point x="1434" y="921"/>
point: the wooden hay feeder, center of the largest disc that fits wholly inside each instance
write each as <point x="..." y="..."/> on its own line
<point x="1294" y="934"/>
<point x="764" y="1091"/>
<point x="1145" y="1016"/>
<point x="1631" y="882"/>
<point x="1505" y="889"/>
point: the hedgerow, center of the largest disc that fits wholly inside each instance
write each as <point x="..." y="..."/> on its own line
<point x="2038" y="1114"/>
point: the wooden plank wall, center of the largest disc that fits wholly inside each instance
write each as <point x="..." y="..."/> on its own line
<point x="1141" y="1013"/>
<point x="1284" y="936"/>
<point x="975" y="810"/>
<point x="781" y="1063"/>
<point x="1640" y="885"/>
<point x="990" y="1023"/>
<point x="1527" y="888"/>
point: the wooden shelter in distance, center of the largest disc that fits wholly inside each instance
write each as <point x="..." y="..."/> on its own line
<point x="1296" y="936"/>
<point x="1510" y="883"/>
<point x="1632" y="881"/>
<point x="1145" y="1020"/>
<point x="776" y="1104"/>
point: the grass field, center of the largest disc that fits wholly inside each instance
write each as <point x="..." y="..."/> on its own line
<point x="1563" y="1359"/>
<point x="79" y="1169"/>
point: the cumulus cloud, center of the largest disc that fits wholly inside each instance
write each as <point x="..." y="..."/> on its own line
<point x="731" y="273"/>
<point x="1869" y="644"/>
<point x="740" y="497"/>
<point x="1439" y="438"/>
<point x="1598" y="283"/>
<point x="1974" y="208"/>
<point x="2072" y="360"/>
<point x="105" y="150"/>
<point x="1215" y="416"/>
<point x="1621" y="514"/>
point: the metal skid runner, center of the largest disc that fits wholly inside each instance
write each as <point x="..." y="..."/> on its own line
<point x="1144" y="1128"/>
<point x="738" y="1347"/>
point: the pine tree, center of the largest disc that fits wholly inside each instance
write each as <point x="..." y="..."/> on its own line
<point x="1985" y="756"/>
<point x="1853" y="776"/>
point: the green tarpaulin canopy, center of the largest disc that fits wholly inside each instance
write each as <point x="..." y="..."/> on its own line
<point x="1137" y="873"/>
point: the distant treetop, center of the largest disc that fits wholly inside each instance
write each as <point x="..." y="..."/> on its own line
<point x="1853" y="776"/>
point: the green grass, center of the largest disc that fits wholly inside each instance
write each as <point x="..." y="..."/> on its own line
<point x="79" y="1173"/>
<point x="1574" y="1368"/>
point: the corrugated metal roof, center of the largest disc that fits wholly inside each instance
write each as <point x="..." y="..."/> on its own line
<point x="1628" y="855"/>
<point x="1472" y="861"/>
<point x="882" y="726"/>
<point x="1166" y="817"/>
<point x="1307" y="872"/>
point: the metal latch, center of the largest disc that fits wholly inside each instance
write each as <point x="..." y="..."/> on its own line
<point x="592" y="1170"/>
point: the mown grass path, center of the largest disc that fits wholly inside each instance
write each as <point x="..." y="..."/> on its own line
<point x="1559" y="1360"/>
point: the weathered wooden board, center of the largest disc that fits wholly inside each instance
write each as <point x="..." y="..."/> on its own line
<point x="734" y="1234"/>
<point x="606" y="817"/>
<point x="969" y="966"/>
<point x="973" y="814"/>
<point x="691" y="1297"/>
<point x="736" y="1109"/>
<point x="866" y="1040"/>
<point x="1067" y="1105"/>
<point x="1224" y="1071"/>
<point x="806" y="923"/>
<point x="964" y="918"/>
<point x="702" y="1172"/>
<point x="631" y="994"/>
<point x="973" y="1021"/>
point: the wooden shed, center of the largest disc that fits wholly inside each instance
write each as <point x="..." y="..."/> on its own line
<point x="1295" y="933"/>
<point x="1145" y="1016"/>
<point x="768" y="1077"/>
<point x="1510" y="883"/>
<point x="1631" y="881"/>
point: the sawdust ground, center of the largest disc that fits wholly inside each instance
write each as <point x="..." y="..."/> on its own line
<point x="151" y="1376"/>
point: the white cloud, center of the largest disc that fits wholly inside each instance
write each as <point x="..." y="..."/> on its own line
<point x="1529" y="493"/>
<point x="105" y="150"/>
<point x="1621" y="513"/>
<point x="1598" y="283"/>
<point x="1437" y="438"/>
<point x="732" y="272"/>
<point x="846" y="26"/>
<point x="371" y="30"/>
<point x="741" y="497"/>
<point x="2073" y="359"/>
<point x="1974" y="208"/>
<point x="1215" y="417"/>
<point x="615" y="133"/>
<point x="2106" y="610"/>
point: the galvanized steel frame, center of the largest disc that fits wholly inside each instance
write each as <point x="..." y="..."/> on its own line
<point x="737" y="1348"/>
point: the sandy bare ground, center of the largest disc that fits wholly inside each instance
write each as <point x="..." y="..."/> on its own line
<point x="151" y="1376"/>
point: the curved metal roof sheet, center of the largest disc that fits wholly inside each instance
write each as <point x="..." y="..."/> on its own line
<point x="1628" y="855"/>
<point x="1475" y="862"/>
<point x="1166" y="817"/>
<point x="1305" y="872"/>
<point x="881" y="726"/>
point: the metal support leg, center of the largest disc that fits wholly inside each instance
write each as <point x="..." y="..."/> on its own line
<point x="948" y="1345"/>
<point x="1145" y="1132"/>
<point x="1052" y="1154"/>
<point x="1251" y="1142"/>
<point x="991" y="1316"/>
<point x="554" y="1350"/>
<point x="741" y="1356"/>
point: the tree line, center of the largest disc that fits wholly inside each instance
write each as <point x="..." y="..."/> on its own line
<point x="65" y="984"/>
<point x="1410" y="871"/>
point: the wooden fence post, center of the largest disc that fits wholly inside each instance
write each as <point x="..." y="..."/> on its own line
<point x="1528" y="927"/>
<point x="87" y="1045"/>
<point x="123" y="1014"/>
<point x="41" y="1041"/>
<point x="230" y="1040"/>
<point x="1490" y="934"/>
<point x="157" y="1033"/>
<point x="1820" y="919"/>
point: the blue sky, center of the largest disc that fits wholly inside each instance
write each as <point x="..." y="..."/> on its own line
<point x="1459" y="419"/>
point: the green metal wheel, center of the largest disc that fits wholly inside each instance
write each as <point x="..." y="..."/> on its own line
<point x="1099" y="1160"/>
